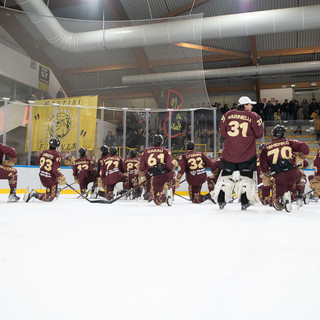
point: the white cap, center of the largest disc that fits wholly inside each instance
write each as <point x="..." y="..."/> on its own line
<point x="246" y="100"/>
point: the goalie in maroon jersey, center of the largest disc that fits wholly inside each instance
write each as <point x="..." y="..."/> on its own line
<point x="241" y="128"/>
<point x="111" y="172"/>
<point x="7" y="171"/>
<point x="277" y="159"/>
<point x="193" y="164"/>
<point x="83" y="171"/>
<point x="159" y="163"/>
<point x="50" y="174"/>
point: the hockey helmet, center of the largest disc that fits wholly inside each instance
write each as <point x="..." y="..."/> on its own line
<point x="132" y="153"/>
<point x="54" y="143"/>
<point x="113" y="150"/>
<point x="104" y="149"/>
<point x="82" y="152"/>
<point x="190" y="145"/>
<point x="157" y="140"/>
<point x="278" y="131"/>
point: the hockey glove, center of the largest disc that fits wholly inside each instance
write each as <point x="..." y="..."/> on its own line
<point x="62" y="180"/>
<point x="10" y="162"/>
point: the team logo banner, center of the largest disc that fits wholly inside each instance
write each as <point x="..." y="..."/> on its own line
<point x="66" y="123"/>
<point x="175" y="102"/>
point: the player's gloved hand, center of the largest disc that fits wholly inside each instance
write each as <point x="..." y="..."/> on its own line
<point x="142" y="178"/>
<point x="62" y="180"/>
<point x="76" y="180"/>
<point x="99" y="181"/>
<point x="10" y="162"/>
<point x="266" y="180"/>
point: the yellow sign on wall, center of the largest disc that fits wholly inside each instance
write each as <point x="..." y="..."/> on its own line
<point x="66" y="128"/>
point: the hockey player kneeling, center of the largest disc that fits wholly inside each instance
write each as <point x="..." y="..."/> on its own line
<point x="277" y="159"/>
<point x="159" y="163"/>
<point x="50" y="174"/>
<point x="193" y="164"/>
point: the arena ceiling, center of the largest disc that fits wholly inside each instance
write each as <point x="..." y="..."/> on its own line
<point x="101" y="72"/>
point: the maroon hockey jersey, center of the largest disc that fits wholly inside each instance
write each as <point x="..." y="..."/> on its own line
<point x="240" y="128"/>
<point x="50" y="161"/>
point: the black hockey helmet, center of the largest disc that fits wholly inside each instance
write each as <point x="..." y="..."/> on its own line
<point x="190" y="145"/>
<point x="82" y="152"/>
<point x="132" y="153"/>
<point x="113" y="150"/>
<point x="157" y="140"/>
<point x="278" y="131"/>
<point x="54" y="143"/>
<point x="104" y="149"/>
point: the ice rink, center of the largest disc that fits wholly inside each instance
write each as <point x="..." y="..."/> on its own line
<point x="130" y="260"/>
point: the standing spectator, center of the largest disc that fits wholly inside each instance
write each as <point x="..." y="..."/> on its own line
<point x="258" y="108"/>
<point x="269" y="111"/>
<point x="110" y="140"/>
<point x="225" y="108"/>
<point x="50" y="174"/>
<point x="278" y="115"/>
<point x="60" y="94"/>
<point x="305" y="106"/>
<point x="313" y="106"/>
<point x="285" y="109"/>
<point x="241" y="128"/>
<point x="300" y="117"/>
<point x="7" y="171"/>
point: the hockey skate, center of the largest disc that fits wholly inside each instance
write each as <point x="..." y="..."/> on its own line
<point x="30" y="193"/>
<point x="13" y="197"/>
<point x="169" y="197"/>
<point x="286" y="200"/>
<point x="208" y="197"/>
<point x="244" y="202"/>
<point x="221" y="200"/>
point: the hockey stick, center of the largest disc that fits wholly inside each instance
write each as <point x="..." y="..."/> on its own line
<point x="96" y="201"/>
<point x="182" y="197"/>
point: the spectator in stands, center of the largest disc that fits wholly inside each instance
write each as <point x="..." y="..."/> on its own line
<point x="225" y="108"/>
<point x="258" y="108"/>
<point x="269" y="111"/>
<point x="316" y="124"/>
<point x="110" y="140"/>
<point x="285" y="108"/>
<point x="204" y="136"/>
<point x="305" y="106"/>
<point x="313" y="106"/>
<point x="300" y="117"/>
<point x="278" y="115"/>
<point x="60" y="94"/>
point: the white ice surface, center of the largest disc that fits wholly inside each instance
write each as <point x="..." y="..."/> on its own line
<point x="73" y="260"/>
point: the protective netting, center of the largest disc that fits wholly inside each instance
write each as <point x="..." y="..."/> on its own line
<point x="131" y="75"/>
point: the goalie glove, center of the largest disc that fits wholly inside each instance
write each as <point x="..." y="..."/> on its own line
<point x="62" y="180"/>
<point x="10" y="162"/>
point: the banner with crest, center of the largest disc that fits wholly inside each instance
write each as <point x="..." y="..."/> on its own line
<point x="66" y="123"/>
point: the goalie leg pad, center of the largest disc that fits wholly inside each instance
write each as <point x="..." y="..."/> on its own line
<point x="226" y="184"/>
<point x="248" y="186"/>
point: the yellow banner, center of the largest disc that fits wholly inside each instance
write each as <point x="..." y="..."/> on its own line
<point x="66" y="123"/>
